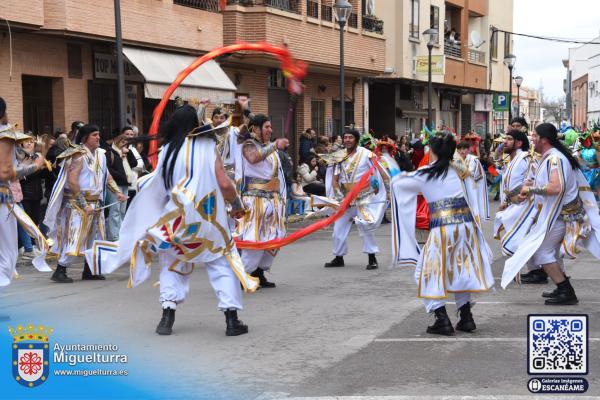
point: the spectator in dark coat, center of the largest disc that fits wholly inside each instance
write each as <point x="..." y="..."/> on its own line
<point x="288" y="167"/>
<point x="31" y="185"/>
<point x="403" y="159"/>
<point x="308" y="141"/>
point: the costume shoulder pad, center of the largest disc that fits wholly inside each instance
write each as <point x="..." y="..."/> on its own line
<point x="8" y="132"/>
<point x="72" y="150"/>
<point x="461" y="169"/>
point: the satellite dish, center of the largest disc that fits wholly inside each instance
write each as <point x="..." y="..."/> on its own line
<point x="476" y="40"/>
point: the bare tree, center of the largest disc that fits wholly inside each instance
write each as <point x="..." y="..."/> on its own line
<point x="555" y="109"/>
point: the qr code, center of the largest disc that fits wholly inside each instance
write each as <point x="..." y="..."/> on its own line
<point x="557" y="344"/>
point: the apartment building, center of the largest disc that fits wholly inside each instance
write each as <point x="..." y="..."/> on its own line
<point x="58" y="64"/>
<point x="467" y="65"/>
<point x="593" y="110"/>
<point x="529" y="104"/>
<point x="581" y="85"/>
<point x="308" y="28"/>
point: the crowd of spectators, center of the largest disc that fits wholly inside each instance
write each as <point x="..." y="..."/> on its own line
<point x="126" y="163"/>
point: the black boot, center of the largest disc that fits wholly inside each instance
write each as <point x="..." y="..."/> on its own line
<point x="372" y="262"/>
<point x="88" y="276"/>
<point x="442" y="324"/>
<point x="565" y="295"/>
<point x="466" y="323"/>
<point x="338" y="261"/>
<point x="550" y="295"/>
<point x="165" y="326"/>
<point x="260" y="274"/>
<point x="535" y="276"/>
<point x="235" y="327"/>
<point x="60" y="275"/>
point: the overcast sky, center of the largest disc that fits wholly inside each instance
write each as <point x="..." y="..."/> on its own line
<point x="539" y="62"/>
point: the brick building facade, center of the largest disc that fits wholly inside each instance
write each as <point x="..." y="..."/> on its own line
<point x="57" y="58"/>
<point x="52" y="53"/>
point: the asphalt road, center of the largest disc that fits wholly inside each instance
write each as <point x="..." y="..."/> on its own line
<point x="321" y="333"/>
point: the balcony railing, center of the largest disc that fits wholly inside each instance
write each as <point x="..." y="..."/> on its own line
<point x="371" y="23"/>
<point x="326" y="13"/>
<point x="207" y="5"/>
<point x="476" y="56"/>
<point x="452" y="49"/>
<point x="241" y="2"/>
<point x="353" y="20"/>
<point x="312" y="8"/>
<point x="285" y="5"/>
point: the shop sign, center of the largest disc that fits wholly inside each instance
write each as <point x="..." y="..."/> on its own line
<point x="422" y="65"/>
<point x="105" y="67"/>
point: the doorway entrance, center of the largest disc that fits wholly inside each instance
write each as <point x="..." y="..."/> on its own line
<point x="37" y="104"/>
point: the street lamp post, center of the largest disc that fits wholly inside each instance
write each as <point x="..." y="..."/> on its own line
<point x="120" y="67"/>
<point x="509" y="60"/>
<point x="342" y="11"/>
<point x="518" y="81"/>
<point x="431" y="34"/>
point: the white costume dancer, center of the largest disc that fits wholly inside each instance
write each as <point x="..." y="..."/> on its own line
<point x="10" y="214"/>
<point x="567" y="217"/>
<point x="74" y="214"/>
<point x="456" y="258"/>
<point x="515" y="217"/>
<point x="264" y="194"/>
<point x="179" y="214"/>
<point x="472" y="164"/>
<point x="228" y="146"/>
<point x="367" y="210"/>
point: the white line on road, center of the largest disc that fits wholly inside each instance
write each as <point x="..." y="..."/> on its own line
<point x="461" y="339"/>
<point x="475" y="302"/>
<point x="422" y="397"/>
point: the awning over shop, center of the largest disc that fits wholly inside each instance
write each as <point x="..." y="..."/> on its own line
<point x="160" y="69"/>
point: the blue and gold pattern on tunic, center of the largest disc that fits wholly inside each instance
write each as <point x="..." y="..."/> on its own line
<point x="449" y="211"/>
<point x="573" y="211"/>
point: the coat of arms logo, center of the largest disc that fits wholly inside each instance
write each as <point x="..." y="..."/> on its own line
<point x="30" y="354"/>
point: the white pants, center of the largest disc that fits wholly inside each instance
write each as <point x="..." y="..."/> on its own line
<point x="341" y="230"/>
<point x="460" y="298"/>
<point x="253" y="259"/>
<point x="174" y="286"/>
<point x="547" y="253"/>
<point x="561" y="262"/>
<point x="68" y="261"/>
<point x="8" y="244"/>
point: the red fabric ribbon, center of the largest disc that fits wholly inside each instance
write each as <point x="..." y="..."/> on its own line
<point x="422" y="221"/>
<point x="277" y="243"/>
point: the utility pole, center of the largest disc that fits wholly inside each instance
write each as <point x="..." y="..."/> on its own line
<point x="120" y="67"/>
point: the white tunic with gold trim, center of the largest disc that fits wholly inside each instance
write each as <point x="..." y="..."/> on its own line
<point x="70" y="229"/>
<point x="512" y="224"/>
<point x="264" y="194"/>
<point x="479" y="184"/>
<point x="456" y="257"/>
<point x="575" y="205"/>
<point x="371" y="203"/>
<point x="189" y="221"/>
<point x="10" y="215"/>
<point x="231" y="152"/>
